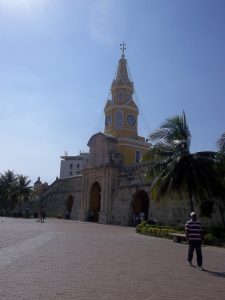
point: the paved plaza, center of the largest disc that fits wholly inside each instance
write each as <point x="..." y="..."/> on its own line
<point x="65" y="259"/>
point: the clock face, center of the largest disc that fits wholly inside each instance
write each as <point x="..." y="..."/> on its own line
<point x="108" y="120"/>
<point x="131" y="120"/>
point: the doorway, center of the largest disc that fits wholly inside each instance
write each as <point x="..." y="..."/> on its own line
<point x="95" y="202"/>
<point x="69" y="206"/>
<point x="140" y="207"/>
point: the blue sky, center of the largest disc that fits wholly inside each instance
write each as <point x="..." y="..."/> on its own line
<point x="58" y="59"/>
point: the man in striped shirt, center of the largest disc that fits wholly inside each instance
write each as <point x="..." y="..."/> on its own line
<point x="194" y="233"/>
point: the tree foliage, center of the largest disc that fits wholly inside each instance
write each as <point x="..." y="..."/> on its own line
<point x="221" y="143"/>
<point x="173" y="169"/>
<point x="13" y="188"/>
<point x="220" y="201"/>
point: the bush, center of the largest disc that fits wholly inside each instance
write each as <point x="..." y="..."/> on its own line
<point x="154" y="230"/>
<point x="217" y="231"/>
<point x="210" y="239"/>
<point x="213" y="236"/>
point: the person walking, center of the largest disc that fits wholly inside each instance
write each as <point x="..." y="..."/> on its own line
<point x="194" y="234"/>
<point x="38" y="214"/>
<point x="43" y="215"/>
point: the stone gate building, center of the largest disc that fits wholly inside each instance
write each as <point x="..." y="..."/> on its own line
<point x="112" y="188"/>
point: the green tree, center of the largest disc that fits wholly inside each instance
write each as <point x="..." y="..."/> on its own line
<point x="221" y="144"/>
<point x="8" y="182"/>
<point x="13" y="188"/>
<point x="23" y="189"/>
<point x="173" y="169"/>
<point x="220" y="201"/>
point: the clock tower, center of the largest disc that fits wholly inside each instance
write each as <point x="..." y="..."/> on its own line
<point x="121" y="115"/>
<point x="121" y="112"/>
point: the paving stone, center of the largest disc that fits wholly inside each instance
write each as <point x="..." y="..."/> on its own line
<point x="64" y="259"/>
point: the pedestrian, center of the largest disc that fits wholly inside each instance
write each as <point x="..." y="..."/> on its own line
<point x="136" y="219"/>
<point x="194" y="234"/>
<point x="142" y="216"/>
<point x="38" y="215"/>
<point x="42" y="216"/>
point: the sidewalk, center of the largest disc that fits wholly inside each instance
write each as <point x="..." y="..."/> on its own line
<point x="63" y="259"/>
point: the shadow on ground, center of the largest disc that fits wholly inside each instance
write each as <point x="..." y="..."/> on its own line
<point x="217" y="274"/>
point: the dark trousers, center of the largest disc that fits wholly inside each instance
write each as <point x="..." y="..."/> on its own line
<point x="197" y="246"/>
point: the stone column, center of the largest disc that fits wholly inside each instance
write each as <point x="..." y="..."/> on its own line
<point x="83" y="213"/>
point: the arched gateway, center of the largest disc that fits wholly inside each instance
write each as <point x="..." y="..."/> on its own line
<point x="140" y="206"/>
<point x="95" y="202"/>
<point x="69" y="206"/>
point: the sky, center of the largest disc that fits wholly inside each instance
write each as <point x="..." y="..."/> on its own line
<point x="58" y="59"/>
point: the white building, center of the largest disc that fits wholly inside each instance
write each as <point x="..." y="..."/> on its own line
<point x="72" y="165"/>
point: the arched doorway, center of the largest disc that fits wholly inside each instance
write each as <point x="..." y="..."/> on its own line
<point x="140" y="207"/>
<point x="95" y="202"/>
<point x="69" y="206"/>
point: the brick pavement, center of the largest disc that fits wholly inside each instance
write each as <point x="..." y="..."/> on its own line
<point x="64" y="259"/>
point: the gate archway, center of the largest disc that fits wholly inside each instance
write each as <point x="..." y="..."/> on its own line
<point x="140" y="207"/>
<point x="69" y="206"/>
<point x="95" y="202"/>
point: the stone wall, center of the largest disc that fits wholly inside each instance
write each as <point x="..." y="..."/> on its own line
<point x="128" y="183"/>
<point x="119" y="187"/>
<point x="54" y="199"/>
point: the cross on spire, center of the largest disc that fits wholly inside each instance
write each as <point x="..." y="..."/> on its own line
<point x="123" y="47"/>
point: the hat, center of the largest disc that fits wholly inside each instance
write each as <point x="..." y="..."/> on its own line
<point x="193" y="214"/>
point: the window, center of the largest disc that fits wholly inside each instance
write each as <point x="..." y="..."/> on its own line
<point x="138" y="156"/>
<point x="78" y="166"/>
<point x="120" y="95"/>
<point x="119" y="118"/>
<point x="71" y="166"/>
<point x="71" y="173"/>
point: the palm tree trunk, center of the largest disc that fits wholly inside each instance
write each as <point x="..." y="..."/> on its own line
<point x="191" y="202"/>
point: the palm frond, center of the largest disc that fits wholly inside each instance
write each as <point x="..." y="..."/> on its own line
<point x="221" y="143"/>
<point x="173" y="131"/>
<point x="173" y="169"/>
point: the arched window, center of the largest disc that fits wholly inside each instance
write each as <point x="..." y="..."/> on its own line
<point x="119" y="118"/>
<point x="120" y="96"/>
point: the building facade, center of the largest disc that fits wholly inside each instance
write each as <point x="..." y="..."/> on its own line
<point x="72" y="165"/>
<point x="111" y="187"/>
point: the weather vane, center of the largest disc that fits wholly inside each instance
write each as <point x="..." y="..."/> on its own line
<point x="123" y="47"/>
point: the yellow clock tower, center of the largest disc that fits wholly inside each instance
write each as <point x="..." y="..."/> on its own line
<point x="121" y="116"/>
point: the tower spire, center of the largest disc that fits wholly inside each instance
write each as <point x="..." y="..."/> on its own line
<point x="121" y="115"/>
<point x="123" y="47"/>
<point x="122" y="71"/>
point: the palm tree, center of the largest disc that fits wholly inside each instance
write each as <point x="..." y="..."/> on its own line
<point x="173" y="169"/>
<point x="23" y="189"/>
<point x="12" y="187"/>
<point x="220" y="201"/>
<point x="221" y="143"/>
<point x="8" y="182"/>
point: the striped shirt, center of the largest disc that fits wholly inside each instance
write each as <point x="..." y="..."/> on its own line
<point x="194" y="230"/>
